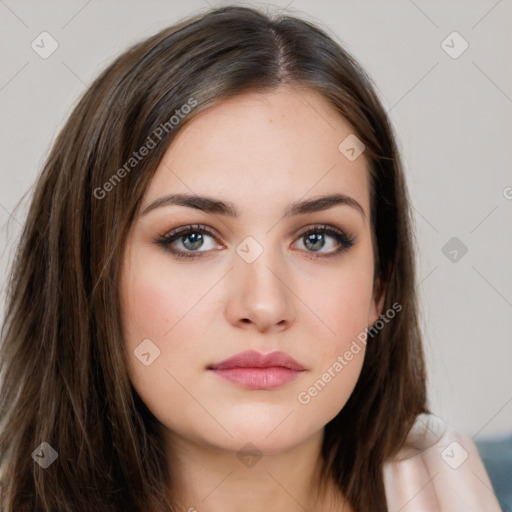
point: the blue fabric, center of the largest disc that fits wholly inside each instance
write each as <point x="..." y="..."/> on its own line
<point x="497" y="457"/>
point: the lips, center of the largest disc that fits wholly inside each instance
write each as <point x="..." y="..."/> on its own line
<point x="254" y="359"/>
<point x="253" y="370"/>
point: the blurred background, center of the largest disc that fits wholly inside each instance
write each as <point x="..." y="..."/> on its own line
<point x="443" y="72"/>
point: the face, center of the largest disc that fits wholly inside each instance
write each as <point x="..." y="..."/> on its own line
<point x="266" y="279"/>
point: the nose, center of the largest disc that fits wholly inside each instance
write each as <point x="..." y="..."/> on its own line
<point x="260" y="294"/>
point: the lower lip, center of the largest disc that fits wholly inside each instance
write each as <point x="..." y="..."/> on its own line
<point x="259" y="378"/>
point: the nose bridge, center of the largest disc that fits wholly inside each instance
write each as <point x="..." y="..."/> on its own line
<point x="255" y="265"/>
<point x="259" y="292"/>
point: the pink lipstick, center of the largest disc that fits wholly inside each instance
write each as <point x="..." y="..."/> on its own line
<point x="253" y="370"/>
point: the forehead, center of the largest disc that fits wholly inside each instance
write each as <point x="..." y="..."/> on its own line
<point x="263" y="148"/>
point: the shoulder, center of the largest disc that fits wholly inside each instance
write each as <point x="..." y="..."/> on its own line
<point x="438" y="469"/>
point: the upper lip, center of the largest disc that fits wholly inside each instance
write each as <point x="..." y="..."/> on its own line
<point x="254" y="359"/>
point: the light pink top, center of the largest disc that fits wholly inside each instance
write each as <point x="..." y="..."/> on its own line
<point x="438" y="470"/>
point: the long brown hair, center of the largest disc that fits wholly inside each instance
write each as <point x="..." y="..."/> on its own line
<point x="63" y="368"/>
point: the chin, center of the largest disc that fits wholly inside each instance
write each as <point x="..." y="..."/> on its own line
<point x="249" y="443"/>
<point x="268" y="437"/>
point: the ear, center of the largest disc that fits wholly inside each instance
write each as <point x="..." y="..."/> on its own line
<point x="377" y="306"/>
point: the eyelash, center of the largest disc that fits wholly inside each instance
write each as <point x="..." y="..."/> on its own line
<point x="166" y="239"/>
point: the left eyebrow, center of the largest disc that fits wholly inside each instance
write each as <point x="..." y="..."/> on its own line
<point x="227" y="208"/>
<point x="323" y="203"/>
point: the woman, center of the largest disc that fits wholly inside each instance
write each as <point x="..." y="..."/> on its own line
<point x="213" y="303"/>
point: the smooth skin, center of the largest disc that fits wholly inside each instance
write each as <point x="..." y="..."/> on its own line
<point x="261" y="152"/>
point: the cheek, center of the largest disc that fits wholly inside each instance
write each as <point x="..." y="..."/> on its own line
<point x="340" y="304"/>
<point x="326" y="395"/>
<point x="164" y="312"/>
<point x="339" y="356"/>
<point x="341" y="310"/>
<point x="157" y="299"/>
<point x="329" y="385"/>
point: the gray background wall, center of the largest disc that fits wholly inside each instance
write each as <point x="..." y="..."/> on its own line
<point x="452" y="116"/>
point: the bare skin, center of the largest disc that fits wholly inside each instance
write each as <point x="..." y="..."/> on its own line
<point x="261" y="152"/>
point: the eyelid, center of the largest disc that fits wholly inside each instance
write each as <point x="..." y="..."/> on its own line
<point x="343" y="237"/>
<point x="318" y="227"/>
<point x="166" y="240"/>
<point x="190" y="228"/>
<point x="214" y="233"/>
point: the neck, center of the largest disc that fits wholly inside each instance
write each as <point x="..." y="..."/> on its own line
<point x="207" y="478"/>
